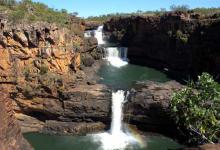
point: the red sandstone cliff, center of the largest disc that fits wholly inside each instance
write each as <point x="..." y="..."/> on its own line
<point x="10" y="133"/>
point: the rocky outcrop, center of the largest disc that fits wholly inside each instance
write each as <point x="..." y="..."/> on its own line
<point x="47" y="71"/>
<point x="73" y="128"/>
<point x="10" y="133"/>
<point x="92" y="25"/>
<point x="79" y="106"/>
<point x="182" y="44"/>
<point x="206" y="147"/>
<point x="148" y="107"/>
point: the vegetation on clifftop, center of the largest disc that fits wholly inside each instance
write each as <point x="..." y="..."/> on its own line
<point x="29" y="11"/>
<point x="182" y="8"/>
<point x="197" y="108"/>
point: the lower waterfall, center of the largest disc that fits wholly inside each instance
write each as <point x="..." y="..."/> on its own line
<point x="116" y="138"/>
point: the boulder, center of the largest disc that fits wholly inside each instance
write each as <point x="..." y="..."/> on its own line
<point x="90" y="44"/>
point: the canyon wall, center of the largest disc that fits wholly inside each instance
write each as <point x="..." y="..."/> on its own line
<point x="10" y="133"/>
<point x="182" y="44"/>
<point x="49" y="74"/>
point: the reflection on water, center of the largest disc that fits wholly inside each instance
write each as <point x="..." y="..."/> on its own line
<point x="47" y="142"/>
<point x="126" y="76"/>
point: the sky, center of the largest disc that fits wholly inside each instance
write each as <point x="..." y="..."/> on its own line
<point x="87" y="8"/>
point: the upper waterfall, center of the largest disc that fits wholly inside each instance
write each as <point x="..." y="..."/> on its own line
<point x="99" y="35"/>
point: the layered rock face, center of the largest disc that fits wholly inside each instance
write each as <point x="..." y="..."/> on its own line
<point x="181" y="43"/>
<point x="47" y="71"/>
<point x="148" y="107"/>
<point x="205" y="147"/>
<point x="92" y="25"/>
<point x="10" y="133"/>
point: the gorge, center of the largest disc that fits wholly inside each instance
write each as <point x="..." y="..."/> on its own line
<point x="70" y="83"/>
<point x="119" y="136"/>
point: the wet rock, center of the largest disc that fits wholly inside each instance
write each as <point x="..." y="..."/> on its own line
<point x="72" y="128"/>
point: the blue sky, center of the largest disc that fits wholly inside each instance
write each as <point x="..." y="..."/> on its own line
<point x="87" y="8"/>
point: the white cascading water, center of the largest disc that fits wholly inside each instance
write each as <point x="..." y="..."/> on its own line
<point x="99" y="35"/>
<point x="116" y="139"/>
<point x="117" y="56"/>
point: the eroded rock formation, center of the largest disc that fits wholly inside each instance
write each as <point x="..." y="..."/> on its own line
<point x="182" y="44"/>
<point x="148" y="107"/>
<point x="10" y="133"/>
<point x="47" y="71"/>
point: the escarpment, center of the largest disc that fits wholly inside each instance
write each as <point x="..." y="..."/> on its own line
<point x="10" y="133"/>
<point x="48" y="70"/>
<point x="183" y="44"/>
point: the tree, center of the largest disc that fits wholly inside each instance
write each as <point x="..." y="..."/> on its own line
<point x="197" y="108"/>
<point x="75" y="13"/>
<point x="7" y="2"/>
<point x="182" y="8"/>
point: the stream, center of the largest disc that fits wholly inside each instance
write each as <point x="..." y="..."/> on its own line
<point x="118" y="74"/>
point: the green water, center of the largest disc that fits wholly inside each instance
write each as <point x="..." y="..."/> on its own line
<point x="117" y="78"/>
<point x="47" y="142"/>
<point x="126" y="76"/>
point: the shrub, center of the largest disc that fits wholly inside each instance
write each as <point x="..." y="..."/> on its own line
<point x="28" y="11"/>
<point x="182" y="8"/>
<point x="182" y="37"/>
<point x="197" y="108"/>
<point x="7" y="2"/>
<point x="43" y="69"/>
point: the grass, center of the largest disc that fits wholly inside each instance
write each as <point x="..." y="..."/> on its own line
<point x="28" y="11"/>
<point x="182" y="8"/>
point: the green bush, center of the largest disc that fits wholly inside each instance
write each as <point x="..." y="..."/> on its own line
<point x="43" y="69"/>
<point x="8" y="2"/>
<point x="182" y="8"/>
<point x="182" y="37"/>
<point x="197" y="108"/>
<point x="29" y="11"/>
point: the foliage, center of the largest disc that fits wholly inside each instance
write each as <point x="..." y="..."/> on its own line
<point x="29" y="11"/>
<point x="182" y="37"/>
<point x="103" y="18"/>
<point x="182" y="8"/>
<point x="44" y="69"/>
<point x="197" y="108"/>
<point x="207" y="11"/>
<point x="7" y="2"/>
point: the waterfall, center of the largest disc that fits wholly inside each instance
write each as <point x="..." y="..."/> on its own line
<point x="117" y="56"/>
<point x="116" y="139"/>
<point x="99" y="35"/>
<point x="117" y="116"/>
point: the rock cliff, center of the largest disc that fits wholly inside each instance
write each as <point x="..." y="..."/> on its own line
<point x="10" y="133"/>
<point x="148" y="108"/>
<point x="182" y="44"/>
<point x="47" y="71"/>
